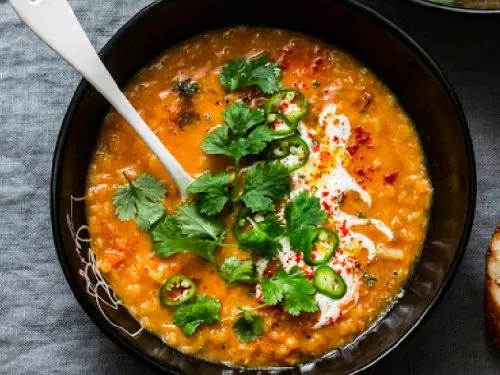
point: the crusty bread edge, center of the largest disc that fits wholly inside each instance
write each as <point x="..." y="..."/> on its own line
<point x="492" y="290"/>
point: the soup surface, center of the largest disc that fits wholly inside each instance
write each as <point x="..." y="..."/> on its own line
<point x="316" y="256"/>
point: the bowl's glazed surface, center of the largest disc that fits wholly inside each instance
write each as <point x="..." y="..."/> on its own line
<point x="465" y="6"/>
<point x="410" y="74"/>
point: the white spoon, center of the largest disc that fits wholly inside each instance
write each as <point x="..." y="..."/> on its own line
<point x="55" y="23"/>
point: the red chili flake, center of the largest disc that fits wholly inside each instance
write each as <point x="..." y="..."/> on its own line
<point x="336" y="139"/>
<point x="315" y="147"/>
<point x="389" y="178"/>
<point x="360" y="172"/>
<point x="352" y="149"/>
<point x="298" y="257"/>
<point x="343" y="229"/>
<point x="362" y="136"/>
<point x="326" y="206"/>
<point x="325" y="194"/>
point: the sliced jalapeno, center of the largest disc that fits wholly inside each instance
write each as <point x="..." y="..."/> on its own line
<point x="292" y="152"/>
<point x="289" y="103"/>
<point x="177" y="290"/>
<point x="280" y="125"/>
<point x="329" y="282"/>
<point x="324" y="242"/>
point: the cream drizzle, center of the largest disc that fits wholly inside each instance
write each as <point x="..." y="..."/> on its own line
<point x="328" y="187"/>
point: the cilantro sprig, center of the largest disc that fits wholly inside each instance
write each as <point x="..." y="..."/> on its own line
<point x="257" y="71"/>
<point x="242" y="133"/>
<point x="234" y="270"/>
<point x="248" y="327"/>
<point x="214" y="191"/>
<point x="303" y="215"/>
<point x="264" y="184"/>
<point x="262" y="239"/>
<point x="204" y="310"/>
<point x="293" y="289"/>
<point x="140" y="199"/>
<point x="188" y="231"/>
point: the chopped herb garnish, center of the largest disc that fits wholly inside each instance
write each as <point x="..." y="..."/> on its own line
<point x="316" y="83"/>
<point x="370" y="280"/>
<point x="188" y="118"/>
<point x="258" y="71"/>
<point x="394" y="275"/>
<point x="204" y="310"/>
<point x="361" y="215"/>
<point x="293" y="289"/>
<point x="248" y="327"/>
<point x="185" y="88"/>
<point x="234" y="270"/>
<point x="141" y="199"/>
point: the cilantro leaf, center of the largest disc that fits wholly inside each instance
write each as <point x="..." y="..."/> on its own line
<point x="263" y="184"/>
<point x="293" y="289"/>
<point x="240" y="135"/>
<point x="303" y="214"/>
<point x="193" y="224"/>
<point x="204" y="310"/>
<point x="262" y="238"/>
<point x="248" y="327"/>
<point x="241" y="118"/>
<point x="214" y="192"/>
<point x="189" y="231"/>
<point x="257" y="71"/>
<point x="168" y="240"/>
<point x="140" y="199"/>
<point x="236" y="271"/>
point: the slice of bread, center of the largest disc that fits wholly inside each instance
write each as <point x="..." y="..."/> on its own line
<point x="492" y="289"/>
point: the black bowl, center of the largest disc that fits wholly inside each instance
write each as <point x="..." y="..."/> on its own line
<point x="460" y="8"/>
<point x="411" y="74"/>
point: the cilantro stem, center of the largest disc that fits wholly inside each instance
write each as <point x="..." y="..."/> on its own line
<point x="128" y="179"/>
<point x="227" y="245"/>
<point x="250" y="309"/>
<point x="236" y="180"/>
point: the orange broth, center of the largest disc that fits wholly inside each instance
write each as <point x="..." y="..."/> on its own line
<point x="385" y="157"/>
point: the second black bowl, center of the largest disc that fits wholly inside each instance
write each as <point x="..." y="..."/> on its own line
<point x="398" y="61"/>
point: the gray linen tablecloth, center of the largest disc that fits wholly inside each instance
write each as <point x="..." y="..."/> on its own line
<point x="42" y="328"/>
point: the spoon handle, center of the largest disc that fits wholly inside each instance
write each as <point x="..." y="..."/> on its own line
<point x="54" y="22"/>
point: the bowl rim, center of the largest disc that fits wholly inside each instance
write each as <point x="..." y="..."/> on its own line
<point x="80" y="92"/>
<point x="455" y="9"/>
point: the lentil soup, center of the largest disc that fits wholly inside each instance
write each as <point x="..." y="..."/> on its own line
<point x="312" y="217"/>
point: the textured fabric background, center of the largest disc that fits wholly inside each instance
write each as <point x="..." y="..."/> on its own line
<point x="42" y="328"/>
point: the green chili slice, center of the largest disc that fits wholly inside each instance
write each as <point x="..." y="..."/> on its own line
<point x="280" y="125"/>
<point x="289" y="103"/>
<point x="292" y="152"/>
<point x="324" y="242"/>
<point x="329" y="282"/>
<point x="177" y="290"/>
